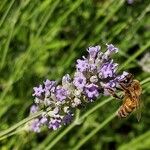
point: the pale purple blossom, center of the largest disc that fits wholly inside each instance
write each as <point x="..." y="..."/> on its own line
<point x="43" y="120"/>
<point x="34" y="109"/>
<point x="93" y="51"/>
<point x="92" y="91"/>
<point x="54" y="123"/>
<point x="122" y="76"/>
<point x="79" y="80"/>
<point x="108" y="69"/>
<point x="38" y="91"/>
<point x="82" y="65"/>
<point x="111" y="48"/>
<point x="67" y="119"/>
<point x="61" y="93"/>
<point x="35" y="125"/>
<point x="111" y="84"/>
<point x="49" y="84"/>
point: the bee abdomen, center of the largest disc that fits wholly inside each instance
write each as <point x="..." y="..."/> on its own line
<point x="128" y="108"/>
<point x="124" y="111"/>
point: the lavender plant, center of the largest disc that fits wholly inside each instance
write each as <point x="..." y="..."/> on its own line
<point x="95" y="75"/>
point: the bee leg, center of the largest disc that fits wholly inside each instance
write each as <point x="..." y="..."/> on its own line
<point x="124" y="87"/>
<point x="122" y="96"/>
<point x="112" y="92"/>
<point x="119" y="88"/>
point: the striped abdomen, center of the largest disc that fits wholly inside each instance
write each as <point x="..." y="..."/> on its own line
<point x="126" y="108"/>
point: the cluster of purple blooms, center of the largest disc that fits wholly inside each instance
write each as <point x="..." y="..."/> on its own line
<point x="94" y="76"/>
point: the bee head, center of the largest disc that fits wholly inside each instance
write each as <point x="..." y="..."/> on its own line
<point x="127" y="79"/>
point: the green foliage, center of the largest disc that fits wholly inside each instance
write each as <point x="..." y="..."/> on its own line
<point x="42" y="39"/>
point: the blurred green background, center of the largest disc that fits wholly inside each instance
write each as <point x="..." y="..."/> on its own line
<point x="42" y="39"/>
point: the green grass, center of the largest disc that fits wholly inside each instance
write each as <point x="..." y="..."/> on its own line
<point x="43" y="39"/>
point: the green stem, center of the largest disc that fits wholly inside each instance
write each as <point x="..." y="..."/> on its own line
<point x="95" y="108"/>
<point x="62" y="134"/>
<point x="135" y="55"/>
<point x="10" y="35"/>
<point x="3" y="133"/>
<point x="135" y="141"/>
<point x="44" y="144"/>
<point x="47" y="17"/>
<point x="12" y="133"/>
<point x="91" y="134"/>
<point x="145" y="81"/>
<point x="6" y="12"/>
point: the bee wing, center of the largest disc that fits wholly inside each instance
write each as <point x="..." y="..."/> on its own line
<point x="138" y="114"/>
<point x="138" y="108"/>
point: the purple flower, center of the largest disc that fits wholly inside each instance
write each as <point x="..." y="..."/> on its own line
<point x="35" y="125"/>
<point x="49" y="87"/>
<point x="111" y="48"/>
<point x="82" y="65"/>
<point x="66" y="78"/>
<point x="38" y="91"/>
<point x="61" y="93"/>
<point x="49" y="84"/>
<point x="93" y="51"/>
<point x="43" y="120"/>
<point x="108" y="69"/>
<point x="33" y="109"/>
<point x="67" y="119"/>
<point x="111" y="85"/>
<point x="92" y="91"/>
<point x="79" y="80"/>
<point x="54" y="123"/>
<point x="124" y="74"/>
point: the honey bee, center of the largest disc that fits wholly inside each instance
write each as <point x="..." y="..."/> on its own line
<point x="131" y="101"/>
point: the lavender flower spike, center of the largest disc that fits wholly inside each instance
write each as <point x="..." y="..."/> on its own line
<point x="94" y="75"/>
